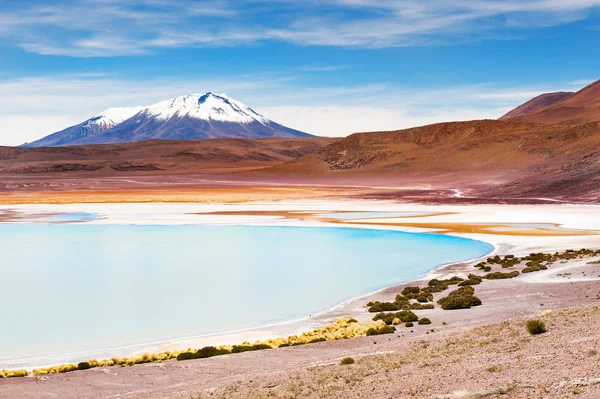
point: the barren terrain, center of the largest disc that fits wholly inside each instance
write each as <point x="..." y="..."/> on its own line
<point x="155" y="157"/>
<point x="564" y="108"/>
<point x="477" y="161"/>
<point x="485" y="159"/>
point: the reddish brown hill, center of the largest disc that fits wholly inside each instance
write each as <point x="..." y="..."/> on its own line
<point x="159" y="156"/>
<point x="480" y="160"/>
<point x="506" y="157"/>
<point x="537" y="103"/>
<point x="578" y="108"/>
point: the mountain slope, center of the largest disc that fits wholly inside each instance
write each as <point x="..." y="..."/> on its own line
<point x="157" y="156"/>
<point x="578" y="108"/>
<point x="505" y="156"/>
<point x="190" y="117"/>
<point x="535" y="104"/>
<point x="104" y="121"/>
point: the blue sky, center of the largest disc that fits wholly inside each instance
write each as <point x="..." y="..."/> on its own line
<point x="329" y="67"/>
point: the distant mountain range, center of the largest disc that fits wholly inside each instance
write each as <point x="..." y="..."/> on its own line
<point x="190" y="117"/>
<point x="563" y="108"/>
<point x="548" y="147"/>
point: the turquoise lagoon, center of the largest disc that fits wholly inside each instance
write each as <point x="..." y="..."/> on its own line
<point x="80" y="287"/>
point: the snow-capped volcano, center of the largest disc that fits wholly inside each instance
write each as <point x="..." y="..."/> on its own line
<point x="195" y="116"/>
<point x="209" y="106"/>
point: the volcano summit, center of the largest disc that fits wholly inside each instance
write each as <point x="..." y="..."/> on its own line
<point x="190" y="117"/>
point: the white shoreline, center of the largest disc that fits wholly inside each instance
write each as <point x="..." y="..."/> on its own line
<point x="184" y="214"/>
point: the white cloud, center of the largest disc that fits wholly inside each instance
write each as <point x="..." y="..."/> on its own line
<point x="336" y="121"/>
<point x="18" y="129"/>
<point x="114" y="28"/>
<point x="31" y="108"/>
<point x="579" y="83"/>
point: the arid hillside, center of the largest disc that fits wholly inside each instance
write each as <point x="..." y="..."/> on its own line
<point x="574" y="109"/>
<point x="483" y="160"/>
<point x="157" y="156"/>
<point x="497" y="157"/>
<point x="537" y="103"/>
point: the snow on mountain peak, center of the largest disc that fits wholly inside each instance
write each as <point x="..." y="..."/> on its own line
<point x="112" y="117"/>
<point x="208" y="106"/>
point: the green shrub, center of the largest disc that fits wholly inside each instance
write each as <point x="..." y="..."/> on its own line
<point x="404" y="316"/>
<point x="436" y="285"/>
<point x="495" y="259"/>
<point x="424" y="321"/>
<point x="347" y="360"/>
<point x="372" y="331"/>
<point x="401" y="298"/>
<point x="382" y="330"/>
<point x="387" y="330"/>
<point x="384" y="307"/>
<point x="535" y="326"/>
<point x="185" y="356"/>
<point x="284" y="345"/>
<point x="408" y="324"/>
<point x="316" y="340"/>
<point x="472" y="280"/>
<point x="501" y="275"/>
<point x="210" y="351"/>
<point x="420" y="306"/>
<point x="412" y="293"/>
<point x="298" y="343"/>
<point x="410" y="290"/>
<point x="475" y="301"/>
<point x="462" y="291"/>
<point x="509" y="261"/>
<point x="483" y="267"/>
<point x="241" y="348"/>
<point x="424" y="298"/>
<point x="534" y="267"/>
<point x="456" y="303"/>
<point x="260" y="347"/>
<point x="83" y="366"/>
<point x="462" y="298"/>
<point x="454" y="280"/>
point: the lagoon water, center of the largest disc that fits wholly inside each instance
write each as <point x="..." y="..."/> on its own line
<point x="78" y="287"/>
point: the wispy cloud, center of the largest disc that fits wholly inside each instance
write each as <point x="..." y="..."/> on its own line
<point x="91" y="28"/>
<point x="579" y="83"/>
<point x="324" y="68"/>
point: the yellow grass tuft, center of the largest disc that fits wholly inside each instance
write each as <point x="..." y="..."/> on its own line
<point x="341" y="329"/>
<point x="12" y="373"/>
